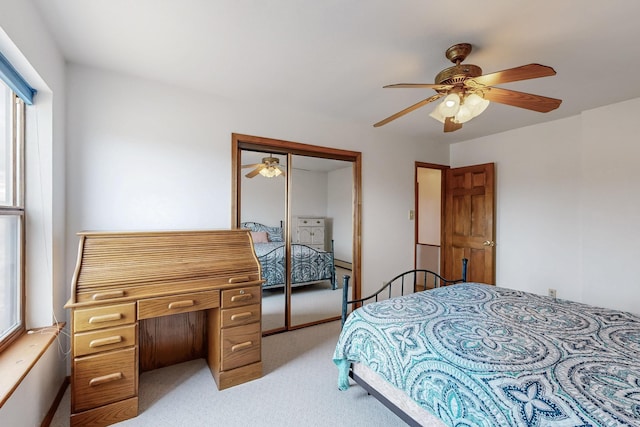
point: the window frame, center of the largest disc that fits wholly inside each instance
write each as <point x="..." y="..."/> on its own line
<point x="17" y="208"/>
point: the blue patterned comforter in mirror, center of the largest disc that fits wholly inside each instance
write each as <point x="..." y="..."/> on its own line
<point x="308" y="265"/>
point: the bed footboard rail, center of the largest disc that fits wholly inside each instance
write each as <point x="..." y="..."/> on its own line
<point x="409" y="281"/>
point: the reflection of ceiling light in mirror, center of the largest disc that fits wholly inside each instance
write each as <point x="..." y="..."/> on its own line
<point x="461" y="110"/>
<point x="270" y="172"/>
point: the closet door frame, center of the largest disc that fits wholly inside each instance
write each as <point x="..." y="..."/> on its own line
<point x="241" y="142"/>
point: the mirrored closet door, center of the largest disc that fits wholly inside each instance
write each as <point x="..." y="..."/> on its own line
<point x="301" y="204"/>
<point x="321" y="195"/>
<point x="263" y="186"/>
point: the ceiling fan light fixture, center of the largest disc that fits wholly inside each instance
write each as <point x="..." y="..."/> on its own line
<point x="476" y="104"/>
<point x="473" y="100"/>
<point x="450" y="106"/>
<point x="437" y="115"/>
<point x="464" y="114"/>
<point x="472" y="106"/>
<point x="269" y="168"/>
<point x="270" y="172"/>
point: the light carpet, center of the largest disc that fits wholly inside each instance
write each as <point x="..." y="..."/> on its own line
<point x="309" y="303"/>
<point x="298" y="388"/>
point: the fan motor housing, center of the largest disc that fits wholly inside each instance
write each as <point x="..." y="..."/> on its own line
<point x="458" y="74"/>
<point x="270" y="161"/>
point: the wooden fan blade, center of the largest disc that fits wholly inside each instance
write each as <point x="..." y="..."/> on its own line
<point x="521" y="99"/>
<point x="408" y="110"/>
<point x="419" y="85"/>
<point x="252" y="166"/>
<point x="254" y="172"/>
<point x="450" y="125"/>
<point x="525" y="72"/>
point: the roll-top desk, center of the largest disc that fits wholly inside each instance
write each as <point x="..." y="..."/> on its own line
<point x="145" y="300"/>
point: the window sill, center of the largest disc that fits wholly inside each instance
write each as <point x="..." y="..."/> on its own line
<point x="17" y="360"/>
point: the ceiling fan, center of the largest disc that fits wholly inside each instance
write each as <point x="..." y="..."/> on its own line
<point x="270" y="168"/>
<point x="467" y="92"/>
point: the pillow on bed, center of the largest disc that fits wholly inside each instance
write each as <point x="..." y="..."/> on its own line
<point x="259" y="237"/>
<point x="275" y="234"/>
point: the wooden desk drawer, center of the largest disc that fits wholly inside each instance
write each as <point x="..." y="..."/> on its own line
<point x="240" y="315"/>
<point x="105" y="316"/>
<point x="104" y="378"/>
<point x="104" y="339"/>
<point x="241" y="296"/>
<point x="174" y="304"/>
<point x="240" y="346"/>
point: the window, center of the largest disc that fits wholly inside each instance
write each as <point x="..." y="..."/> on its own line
<point x="11" y="215"/>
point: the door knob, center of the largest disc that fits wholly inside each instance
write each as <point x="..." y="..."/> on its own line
<point x="489" y="243"/>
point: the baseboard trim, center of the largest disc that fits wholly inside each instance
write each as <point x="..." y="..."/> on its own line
<point x="46" y="422"/>
<point x="343" y="264"/>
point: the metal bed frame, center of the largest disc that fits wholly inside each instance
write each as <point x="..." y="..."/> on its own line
<point x="414" y="279"/>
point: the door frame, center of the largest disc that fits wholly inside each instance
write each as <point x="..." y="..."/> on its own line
<point x="443" y="169"/>
<point x="443" y="217"/>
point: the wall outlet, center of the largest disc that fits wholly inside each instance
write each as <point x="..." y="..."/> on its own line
<point x="552" y="293"/>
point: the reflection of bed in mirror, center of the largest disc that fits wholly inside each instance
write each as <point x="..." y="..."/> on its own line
<point x="308" y="265"/>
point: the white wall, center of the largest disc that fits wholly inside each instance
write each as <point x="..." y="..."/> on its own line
<point x="610" y="206"/>
<point x="144" y="155"/>
<point x="429" y="206"/>
<point x="388" y="235"/>
<point x="25" y="42"/>
<point x="308" y="193"/>
<point x="567" y="205"/>
<point x="340" y="212"/>
<point x="263" y="200"/>
<point x="429" y="218"/>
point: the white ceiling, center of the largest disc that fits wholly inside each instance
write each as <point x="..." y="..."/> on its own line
<point x="332" y="57"/>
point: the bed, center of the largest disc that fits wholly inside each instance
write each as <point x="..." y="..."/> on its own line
<point x="477" y="355"/>
<point x="308" y="265"/>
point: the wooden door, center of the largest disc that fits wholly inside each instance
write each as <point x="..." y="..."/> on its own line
<point x="469" y="226"/>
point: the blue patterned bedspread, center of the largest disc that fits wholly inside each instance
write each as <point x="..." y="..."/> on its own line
<point x="307" y="264"/>
<point x="477" y="355"/>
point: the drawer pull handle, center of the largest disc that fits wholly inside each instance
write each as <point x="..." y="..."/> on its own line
<point x="105" y="379"/>
<point x="239" y="279"/>
<point x="241" y="316"/>
<point x="107" y="295"/>
<point x="182" y="304"/>
<point x="105" y="318"/>
<point x="241" y="346"/>
<point x="105" y="341"/>
<point x="241" y="297"/>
